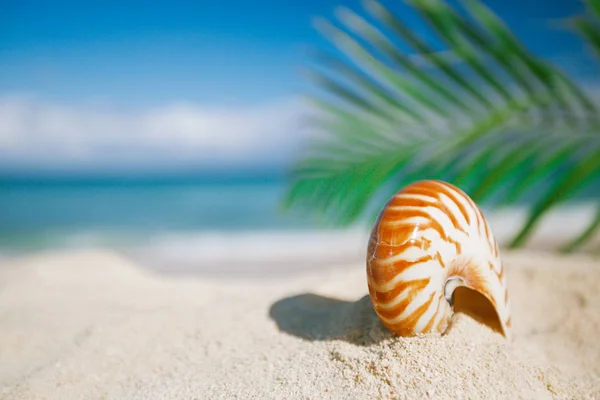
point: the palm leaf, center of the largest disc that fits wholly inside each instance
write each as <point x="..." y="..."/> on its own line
<point x="563" y="164"/>
<point x="588" y="25"/>
<point x="492" y="115"/>
<point x="585" y="235"/>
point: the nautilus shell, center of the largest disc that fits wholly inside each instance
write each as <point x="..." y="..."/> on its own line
<point x="431" y="255"/>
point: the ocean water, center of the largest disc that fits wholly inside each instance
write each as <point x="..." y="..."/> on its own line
<point x="41" y="214"/>
<point x="232" y="226"/>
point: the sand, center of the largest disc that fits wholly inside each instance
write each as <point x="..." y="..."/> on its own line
<point x="93" y="325"/>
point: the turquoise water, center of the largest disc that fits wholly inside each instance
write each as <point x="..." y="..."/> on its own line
<point x="37" y="214"/>
<point x="120" y="214"/>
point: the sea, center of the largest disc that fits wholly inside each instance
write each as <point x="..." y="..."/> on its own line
<point x="209" y="225"/>
<point x="170" y="223"/>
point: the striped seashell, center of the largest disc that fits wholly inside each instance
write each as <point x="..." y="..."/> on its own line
<point x="432" y="254"/>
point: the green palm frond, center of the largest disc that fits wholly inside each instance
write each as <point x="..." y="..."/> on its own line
<point x="482" y="112"/>
<point x="558" y="164"/>
<point x="588" y="25"/>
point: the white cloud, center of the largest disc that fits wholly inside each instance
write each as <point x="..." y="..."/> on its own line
<point x="40" y="134"/>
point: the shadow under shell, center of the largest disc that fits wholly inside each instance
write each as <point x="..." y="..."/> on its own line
<point x="314" y="317"/>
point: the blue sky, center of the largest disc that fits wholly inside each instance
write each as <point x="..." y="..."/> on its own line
<point x="133" y="52"/>
<point x="148" y="58"/>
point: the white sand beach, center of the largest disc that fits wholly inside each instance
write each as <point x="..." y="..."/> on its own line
<point x="95" y="325"/>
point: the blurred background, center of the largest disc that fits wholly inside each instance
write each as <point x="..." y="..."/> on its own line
<point x="166" y="129"/>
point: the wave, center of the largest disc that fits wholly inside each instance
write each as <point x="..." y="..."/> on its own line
<point x="277" y="249"/>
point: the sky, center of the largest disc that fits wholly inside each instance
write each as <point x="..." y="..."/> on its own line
<point x="174" y="85"/>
